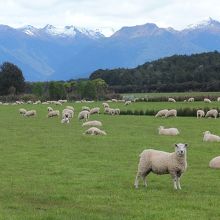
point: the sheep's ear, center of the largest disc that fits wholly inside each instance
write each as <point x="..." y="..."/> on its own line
<point x="186" y="145"/>
<point x="176" y="145"/>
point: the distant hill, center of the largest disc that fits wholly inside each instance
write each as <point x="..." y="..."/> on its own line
<point x="177" y="73"/>
<point x="52" y="53"/>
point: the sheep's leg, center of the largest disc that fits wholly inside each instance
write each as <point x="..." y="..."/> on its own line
<point x="137" y="180"/>
<point x="174" y="177"/>
<point x="178" y="182"/>
<point x="145" y="181"/>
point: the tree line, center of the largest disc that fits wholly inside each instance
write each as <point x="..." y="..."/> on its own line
<point x="178" y="73"/>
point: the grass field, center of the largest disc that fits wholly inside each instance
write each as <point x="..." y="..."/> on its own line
<point x="52" y="171"/>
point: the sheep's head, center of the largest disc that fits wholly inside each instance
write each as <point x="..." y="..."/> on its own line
<point x="160" y="128"/>
<point x="181" y="149"/>
<point x="207" y="132"/>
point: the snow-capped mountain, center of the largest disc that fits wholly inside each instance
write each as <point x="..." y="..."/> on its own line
<point x="62" y="53"/>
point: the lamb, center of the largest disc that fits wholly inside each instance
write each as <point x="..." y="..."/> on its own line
<point x="92" y="123"/>
<point x="206" y="100"/>
<point x="105" y="105"/>
<point x="49" y="109"/>
<point x="168" y="131"/>
<point x="22" y="111"/>
<point x="212" y="113"/>
<point x="172" y="112"/>
<point x="53" y="113"/>
<point x="84" y="115"/>
<point x="70" y="107"/>
<point x="210" y="137"/>
<point x="30" y="113"/>
<point x="191" y="99"/>
<point x="171" y="100"/>
<point x="127" y="102"/>
<point x="161" y="113"/>
<point x="200" y="113"/>
<point x="65" y="119"/>
<point x="68" y="112"/>
<point x="160" y="162"/>
<point x="95" y="110"/>
<point x="95" y="131"/>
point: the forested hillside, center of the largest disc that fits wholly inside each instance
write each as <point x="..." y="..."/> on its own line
<point x="177" y="73"/>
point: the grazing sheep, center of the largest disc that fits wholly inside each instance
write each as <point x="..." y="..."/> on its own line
<point x="111" y="111"/>
<point x="171" y="113"/>
<point x="22" y="111"/>
<point x="84" y="115"/>
<point x="215" y="163"/>
<point x="117" y="111"/>
<point x="105" y="105"/>
<point x="114" y="100"/>
<point x="92" y="123"/>
<point x="206" y="100"/>
<point x="191" y="100"/>
<point x="58" y="103"/>
<point x="68" y="112"/>
<point x="127" y="102"/>
<point x="218" y="99"/>
<point x="65" y="119"/>
<point x="37" y="102"/>
<point x="160" y="162"/>
<point x="95" y="110"/>
<point x="168" y="131"/>
<point x="53" y="113"/>
<point x="29" y="102"/>
<point x="62" y="101"/>
<point x="70" y="107"/>
<point x="212" y="113"/>
<point x="171" y="100"/>
<point x="45" y="103"/>
<point x="109" y="101"/>
<point x="49" y="109"/>
<point x="161" y="113"/>
<point x="200" y="113"/>
<point x="106" y="110"/>
<point x="30" y="113"/>
<point x="95" y="131"/>
<point x="85" y="108"/>
<point x="210" y="137"/>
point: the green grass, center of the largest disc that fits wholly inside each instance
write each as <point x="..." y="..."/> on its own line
<point x="52" y="171"/>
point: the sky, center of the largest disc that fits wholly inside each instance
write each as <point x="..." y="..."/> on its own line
<point x="107" y="13"/>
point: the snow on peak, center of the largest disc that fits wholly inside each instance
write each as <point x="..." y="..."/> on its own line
<point x="204" y="24"/>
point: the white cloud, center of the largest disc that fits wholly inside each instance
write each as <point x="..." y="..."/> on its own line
<point x="107" y="13"/>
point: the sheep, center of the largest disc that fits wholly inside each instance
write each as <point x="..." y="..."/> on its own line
<point x="53" y="113"/>
<point x="161" y="113"/>
<point x="29" y="102"/>
<point x="30" y="113"/>
<point x="37" y="102"/>
<point x="117" y="111"/>
<point x="171" y="100"/>
<point x="85" y="108"/>
<point x="58" y="103"/>
<point x="92" y="123"/>
<point x="95" y="110"/>
<point x="62" y="101"/>
<point x="70" y="107"/>
<point x="210" y="137"/>
<point x="84" y="115"/>
<point x="172" y="112"/>
<point x="200" y="113"/>
<point x="105" y="105"/>
<point x="114" y="100"/>
<point x="68" y="112"/>
<point x="212" y="113"/>
<point x="111" y="111"/>
<point x="168" y="131"/>
<point x="49" y="109"/>
<point x="191" y="99"/>
<point x="127" y="102"/>
<point x="206" y="100"/>
<point x="22" y="111"/>
<point x="95" y="131"/>
<point x="65" y="119"/>
<point x="160" y="162"/>
<point x="218" y="99"/>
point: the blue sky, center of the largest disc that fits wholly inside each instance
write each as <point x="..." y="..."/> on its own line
<point x="107" y="13"/>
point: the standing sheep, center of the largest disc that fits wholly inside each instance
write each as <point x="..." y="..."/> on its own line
<point x="117" y="111"/>
<point x="95" y="111"/>
<point x="127" y="102"/>
<point x="206" y="100"/>
<point x="171" y="100"/>
<point x="30" y="113"/>
<point x="171" y="113"/>
<point x="68" y="112"/>
<point x="218" y="99"/>
<point x="161" y="113"/>
<point x="210" y="137"/>
<point x="105" y="105"/>
<point x="53" y="113"/>
<point x="212" y="113"/>
<point x="70" y="107"/>
<point x="92" y="123"/>
<point x="85" y="108"/>
<point x="22" y="111"/>
<point x="160" y="162"/>
<point x="84" y="115"/>
<point x="200" y="113"/>
<point x="168" y="131"/>
<point x="65" y="119"/>
<point x="191" y="99"/>
<point x="49" y="109"/>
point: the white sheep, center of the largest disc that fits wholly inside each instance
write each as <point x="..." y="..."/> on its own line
<point x="212" y="113"/>
<point x="95" y="131"/>
<point x="171" y="113"/>
<point x="53" y="113"/>
<point x="200" y="113"/>
<point x="92" y="123"/>
<point x="30" y="113"/>
<point x="84" y="115"/>
<point x="95" y="110"/>
<point x="117" y="111"/>
<point x="160" y="162"/>
<point x="70" y="107"/>
<point x="210" y="137"/>
<point x="29" y="102"/>
<point x="68" y="112"/>
<point x="191" y="99"/>
<point x="168" y="131"/>
<point x="171" y="100"/>
<point x="22" y="111"/>
<point x="206" y="100"/>
<point x="65" y="120"/>
<point x="161" y="113"/>
<point x="49" y="109"/>
<point x="85" y="108"/>
<point x="218" y="99"/>
<point x="114" y="100"/>
<point x="111" y="111"/>
<point x="105" y="105"/>
<point x="127" y="102"/>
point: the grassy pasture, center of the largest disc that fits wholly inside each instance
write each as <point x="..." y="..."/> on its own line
<point x="52" y="171"/>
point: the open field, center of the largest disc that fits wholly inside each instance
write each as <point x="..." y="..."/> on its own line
<point x="52" y="171"/>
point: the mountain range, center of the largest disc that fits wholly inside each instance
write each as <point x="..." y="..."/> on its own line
<point x="52" y="53"/>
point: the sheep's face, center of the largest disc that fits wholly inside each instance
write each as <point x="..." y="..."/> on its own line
<point x="180" y="149"/>
<point x="160" y="128"/>
<point x="206" y="132"/>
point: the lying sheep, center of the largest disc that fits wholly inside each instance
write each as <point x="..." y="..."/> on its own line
<point x="22" y="111"/>
<point x="212" y="113"/>
<point x="200" y="113"/>
<point x="30" y="113"/>
<point x="127" y="102"/>
<point x="206" y="100"/>
<point x="191" y="99"/>
<point x="210" y="137"/>
<point x="95" y="110"/>
<point x="171" y="113"/>
<point x="161" y="113"/>
<point x="53" y="113"/>
<point x="84" y="115"/>
<point x="92" y="123"/>
<point x="160" y="162"/>
<point x="68" y="112"/>
<point x="95" y="131"/>
<point x="171" y="100"/>
<point x="49" y="109"/>
<point x="168" y="131"/>
<point x="105" y="105"/>
<point x="70" y="107"/>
